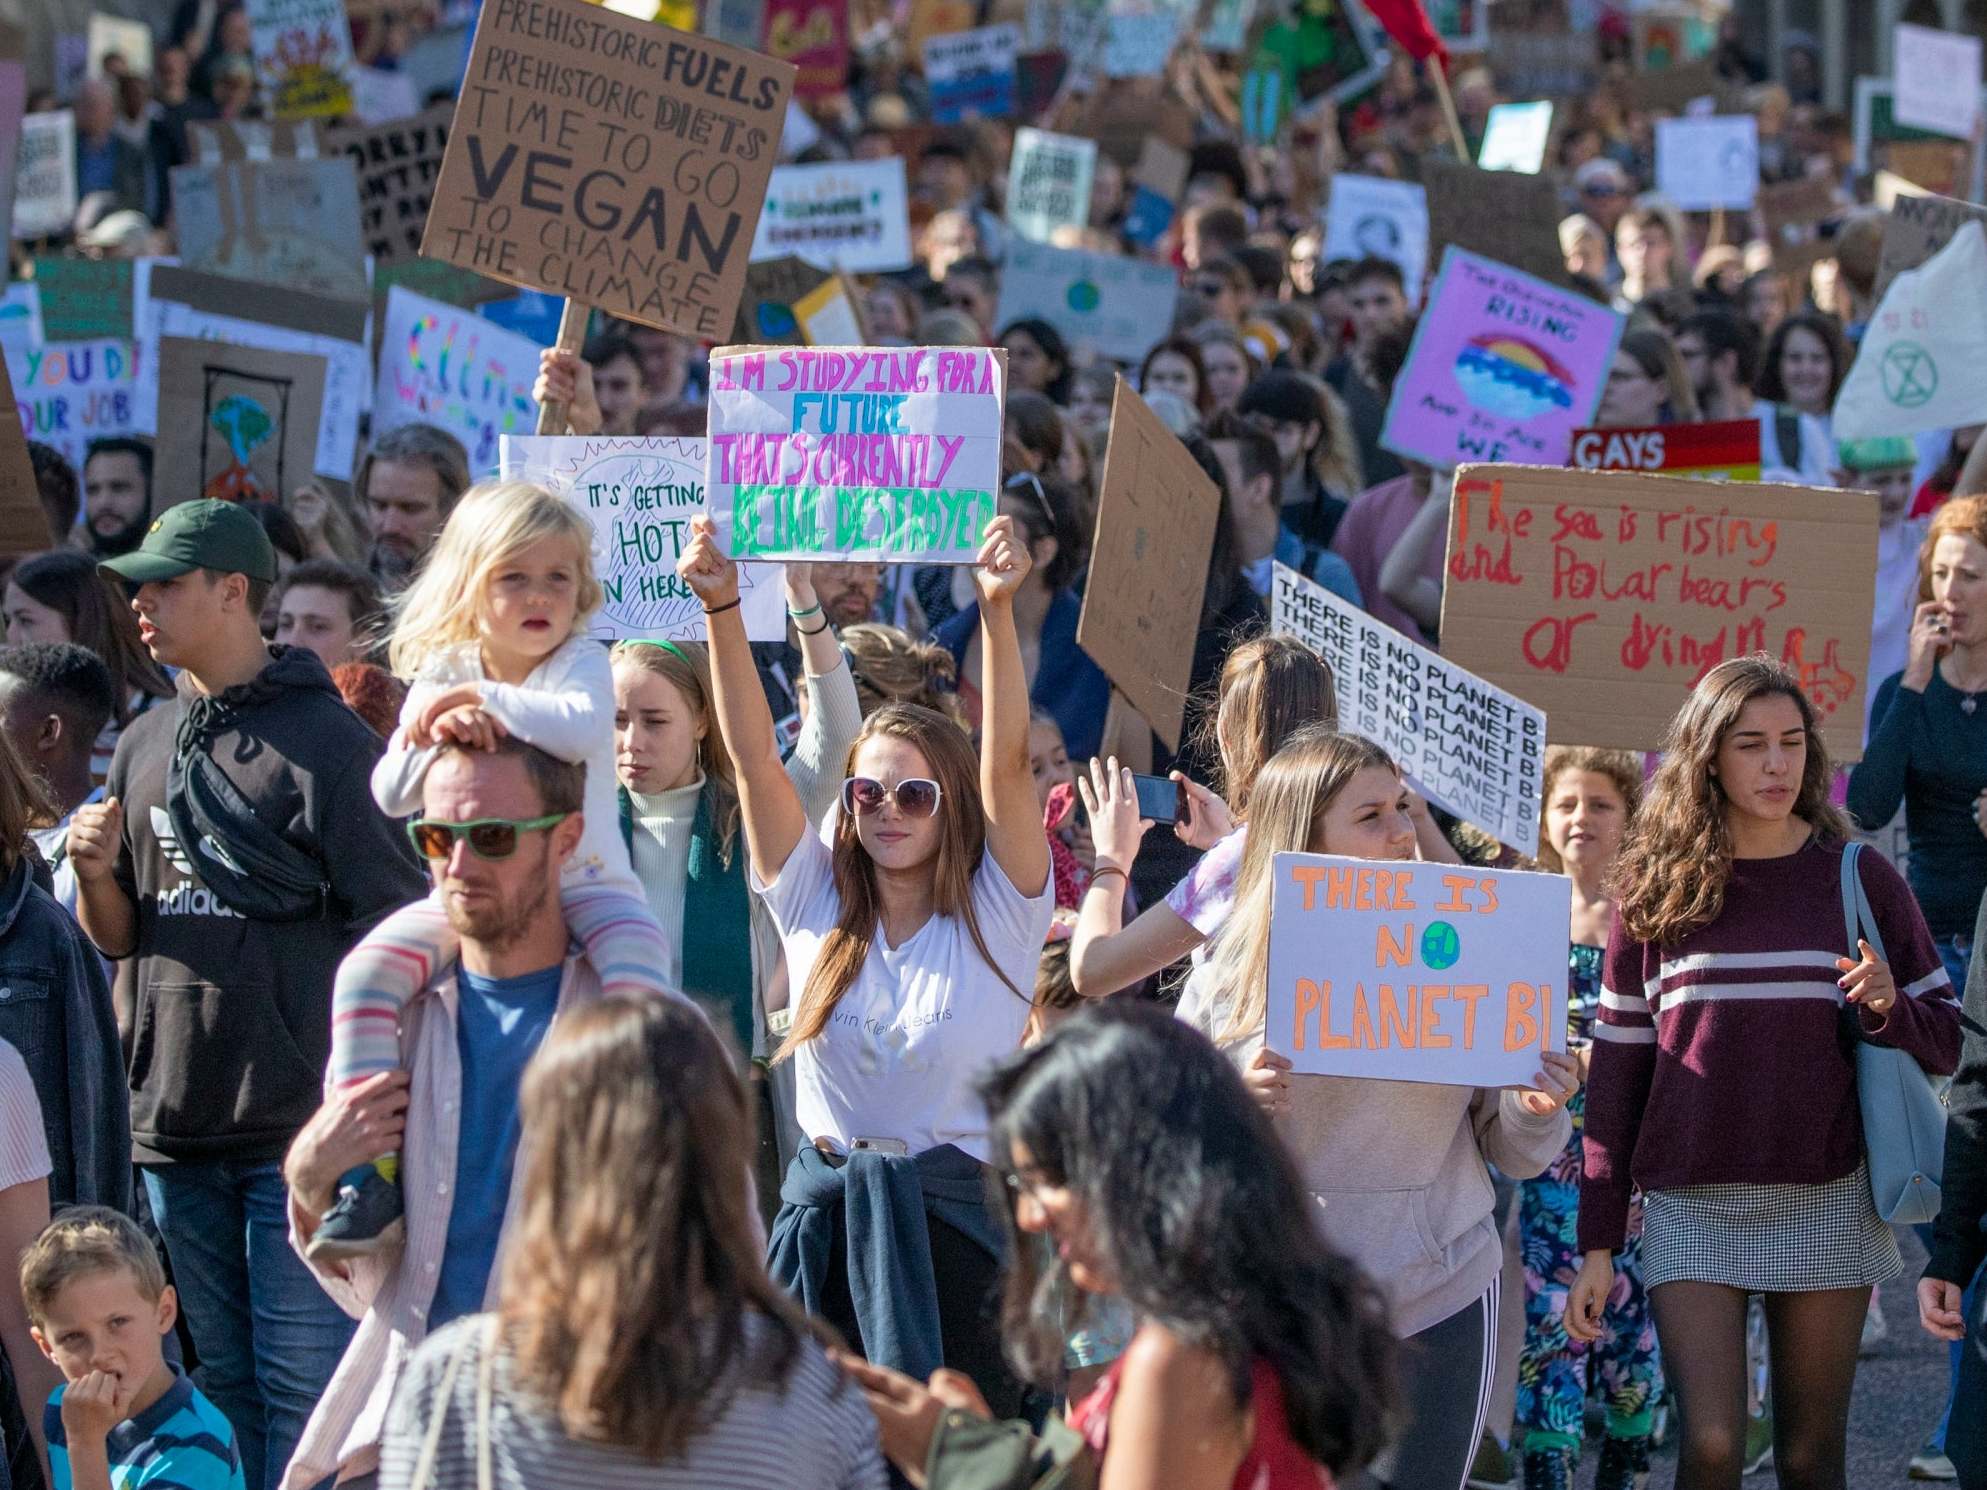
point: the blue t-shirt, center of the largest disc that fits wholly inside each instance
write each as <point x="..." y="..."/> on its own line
<point x="498" y="1026"/>
<point x="182" y="1440"/>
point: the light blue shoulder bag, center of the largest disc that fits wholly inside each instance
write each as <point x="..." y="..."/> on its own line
<point x="1904" y="1111"/>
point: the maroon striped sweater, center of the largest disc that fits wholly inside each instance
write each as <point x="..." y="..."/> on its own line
<point x="1722" y="1060"/>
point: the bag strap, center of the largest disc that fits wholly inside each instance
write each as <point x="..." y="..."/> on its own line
<point x="424" y="1466"/>
<point x="1858" y="920"/>
<point x="485" y="1374"/>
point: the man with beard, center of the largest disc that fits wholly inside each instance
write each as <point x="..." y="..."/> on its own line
<point x="408" y="483"/>
<point x="496" y="827"/>
<point x="117" y="494"/>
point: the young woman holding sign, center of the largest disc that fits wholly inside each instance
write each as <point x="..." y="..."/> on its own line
<point x="1724" y="1076"/>
<point x="907" y="933"/>
<point x="1397" y="1168"/>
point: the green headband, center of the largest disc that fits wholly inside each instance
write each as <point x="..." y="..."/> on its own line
<point x="666" y="645"/>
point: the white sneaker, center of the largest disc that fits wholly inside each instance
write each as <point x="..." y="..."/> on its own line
<point x="1875" y="1328"/>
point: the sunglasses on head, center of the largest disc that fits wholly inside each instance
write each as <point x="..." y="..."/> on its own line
<point x="489" y="837"/>
<point x="914" y="796"/>
<point x="1028" y="481"/>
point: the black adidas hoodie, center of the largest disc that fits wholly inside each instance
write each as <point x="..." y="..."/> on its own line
<point x="233" y="1025"/>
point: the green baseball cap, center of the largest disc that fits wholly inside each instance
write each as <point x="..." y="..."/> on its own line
<point x="206" y="534"/>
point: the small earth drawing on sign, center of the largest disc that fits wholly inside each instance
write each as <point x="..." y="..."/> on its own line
<point x="1910" y="375"/>
<point x="1440" y="946"/>
<point x="1083" y="296"/>
<point x="775" y="319"/>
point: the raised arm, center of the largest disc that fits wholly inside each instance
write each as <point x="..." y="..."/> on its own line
<point x="1105" y="954"/>
<point x="1007" y="786"/>
<point x="774" y="818"/>
<point x="834" y="714"/>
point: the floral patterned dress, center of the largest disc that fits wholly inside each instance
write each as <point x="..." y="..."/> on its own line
<point x="1555" y="1374"/>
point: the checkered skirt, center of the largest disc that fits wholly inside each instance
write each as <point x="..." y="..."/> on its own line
<point x="1769" y="1238"/>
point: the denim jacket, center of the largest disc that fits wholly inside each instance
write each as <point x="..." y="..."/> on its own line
<point x="55" y="1009"/>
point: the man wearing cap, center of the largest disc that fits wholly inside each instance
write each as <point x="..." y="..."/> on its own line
<point x="236" y="857"/>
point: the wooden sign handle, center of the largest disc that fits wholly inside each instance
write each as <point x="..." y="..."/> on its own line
<point x="572" y="336"/>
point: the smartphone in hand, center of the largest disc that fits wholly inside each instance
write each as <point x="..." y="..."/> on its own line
<point x="1160" y="798"/>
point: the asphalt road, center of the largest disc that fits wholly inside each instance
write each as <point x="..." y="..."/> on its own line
<point x="1900" y="1387"/>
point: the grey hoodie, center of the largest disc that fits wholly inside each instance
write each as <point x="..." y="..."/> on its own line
<point x="1398" y="1171"/>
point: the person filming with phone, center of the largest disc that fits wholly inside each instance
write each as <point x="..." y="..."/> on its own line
<point x="911" y="924"/>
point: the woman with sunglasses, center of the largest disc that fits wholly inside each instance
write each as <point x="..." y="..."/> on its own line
<point x="1061" y="677"/>
<point x="905" y="922"/>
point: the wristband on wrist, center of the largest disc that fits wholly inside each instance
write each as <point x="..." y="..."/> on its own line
<point x="1103" y="869"/>
<point x="802" y="615"/>
<point x="718" y="610"/>
<point x="812" y="630"/>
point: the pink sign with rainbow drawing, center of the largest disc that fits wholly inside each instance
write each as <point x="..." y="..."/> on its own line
<point x="1504" y="367"/>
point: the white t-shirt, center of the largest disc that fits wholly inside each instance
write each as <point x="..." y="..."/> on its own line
<point x="898" y="1056"/>
<point x="23" y="1141"/>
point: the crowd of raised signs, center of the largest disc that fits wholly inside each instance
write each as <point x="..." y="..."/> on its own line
<point x="703" y="718"/>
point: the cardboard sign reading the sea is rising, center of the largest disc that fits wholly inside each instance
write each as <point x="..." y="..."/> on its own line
<point x="639" y="494"/>
<point x="1602" y="598"/>
<point x="610" y="160"/>
<point x="1468" y="746"/>
<point x="1727" y="450"/>
<point x="1503" y="367"/>
<point x="1416" y="972"/>
<point x="878" y="454"/>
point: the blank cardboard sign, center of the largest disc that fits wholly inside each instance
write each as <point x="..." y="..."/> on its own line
<point x="1603" y="597"/>
<point x="1156" y="512"/>
<point x="23" y="520"/>
<point x="236" y="423"/>
<point x="1502" y="215"/>
<point x="637" y="188"/>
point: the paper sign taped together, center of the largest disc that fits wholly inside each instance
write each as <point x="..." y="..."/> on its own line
<point x="1156" y="511"/>
<point x="1416" y="972"/>
<point x="639" y="494"/>
<point x="1469" y="746"/>
<point x="1603" y="597"/>
<point x="877" y="454"/>
<point x="613" y="161"/>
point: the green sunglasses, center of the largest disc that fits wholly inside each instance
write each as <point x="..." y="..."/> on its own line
<point x="489" y="837"/>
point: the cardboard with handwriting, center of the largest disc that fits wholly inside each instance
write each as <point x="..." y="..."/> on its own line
<point x="396" y="163"/>
<point x="1156" y="511"/>
<point x="1602" y="597"/>
<point x="235" y="423"/>
<point x="1918" y="227"/>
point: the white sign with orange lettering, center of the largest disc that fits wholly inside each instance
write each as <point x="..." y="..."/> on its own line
<point x="1417" y="972"/>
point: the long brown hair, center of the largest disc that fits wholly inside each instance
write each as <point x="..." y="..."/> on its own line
<point x="1292" y="795"/>
<point x="1670" y="878"/>
<point x="686" y="667"/>
<point x="624" y="1301"/>
<point x="100" y="620"/>
<point x="962" y="840"/>
<point x="1270" y="688"/>
<point x="24" y="804"/>
<point x="1623" y="770"/>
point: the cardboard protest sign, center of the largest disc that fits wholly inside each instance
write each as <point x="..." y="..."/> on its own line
<point x="1515" y="137"/>
<point x="1156" y="512"/>
<point x="129" y="42"/>
<point x="1372" y="216"/>
<point x="1794" y="212"/>
<point x="1919" y="365"/>
<point x="218" y="140"/>
<point x="13" y="104"/>
<point x="1048" y="183"/>
<point x="972" y="73"/>
<point x="70" y="393"/>
<point x="851" y="215"/>
<point x="930" y="18"/>
<point x="1157" y="178"/>
<point x="1933" y="161"/>
<point x="1937" y="77"/>
<point x="45" y="175"/>
<point x="1707" y="163"/>
<point x="640" y="495"/>
<point x="1668" y="36"/>
<point x="1602" y="598"/>
<point x="1416" y="972"/>
<point x="1138" y="42"/>
<point x="1503" y="367"/>
<point x="441" y="365"/>
<point x="1918" y="227"/>
<point x="1470" y="747"/>
<point x="293" y="223"/>
<point x="1115" y="306"/>
<point x="883" y="455"/>
<point x="813" y="37"/>
<point x="23" y="520"/>
<point x="303" y="56"/>
<point x="396" y="164"/>
<point x="84" y="299"/>
<point x="1502" y="215"/>
<point x="1726" y="450"/>
<point x="789" y="302"/>
<point x="234" y="422"/>
<point x="379" y="96"/>
<point x="640" y="194"/>
<point x="186" y="303"/>
<point x="1671" y="90"/>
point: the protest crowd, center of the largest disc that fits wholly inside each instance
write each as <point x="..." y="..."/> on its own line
<point x="705" y="710"/>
